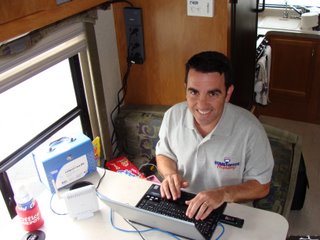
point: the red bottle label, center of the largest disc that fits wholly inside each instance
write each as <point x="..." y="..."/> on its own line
<point x="31" y="219"/>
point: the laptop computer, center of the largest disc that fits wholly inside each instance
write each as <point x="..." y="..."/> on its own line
<point x="188" y="228"/>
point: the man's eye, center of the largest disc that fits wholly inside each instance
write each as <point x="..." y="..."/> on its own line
<point x="214" y="93"/>
<point x="192" y="92"/>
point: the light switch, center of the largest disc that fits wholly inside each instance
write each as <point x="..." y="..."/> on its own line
<point x="200" y="8"/>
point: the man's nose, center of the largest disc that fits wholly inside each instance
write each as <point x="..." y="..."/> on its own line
<point x="202" y="100"/>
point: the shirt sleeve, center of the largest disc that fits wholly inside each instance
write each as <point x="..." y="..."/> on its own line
<point x="163" y="145"/>
<point x="259" y="160"/>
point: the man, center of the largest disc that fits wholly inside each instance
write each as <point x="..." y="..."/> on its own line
<point x="209" y="146"/>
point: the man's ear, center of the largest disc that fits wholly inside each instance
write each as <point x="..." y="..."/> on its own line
<point x="229" y="93"/>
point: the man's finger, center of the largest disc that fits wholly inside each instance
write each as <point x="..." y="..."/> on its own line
<point x="175" y="191"/>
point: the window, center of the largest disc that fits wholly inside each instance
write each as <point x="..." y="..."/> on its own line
<point x="45" y="93"/>
<point x="39" y="101"/>
<point x="37" y="110"/>
<point x="294" y="2"/>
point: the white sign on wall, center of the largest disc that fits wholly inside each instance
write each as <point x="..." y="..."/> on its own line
<point x="200" y="8"/>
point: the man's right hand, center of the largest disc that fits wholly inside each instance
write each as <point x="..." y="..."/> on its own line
<point x="171" y="185"/>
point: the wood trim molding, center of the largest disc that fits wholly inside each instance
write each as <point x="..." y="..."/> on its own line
<point x="42" y="18"/>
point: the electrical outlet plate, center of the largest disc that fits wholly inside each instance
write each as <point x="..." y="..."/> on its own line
<point x="134" y="33"/>
<point x="62" y="1"/>
<point x="200" y="8"/>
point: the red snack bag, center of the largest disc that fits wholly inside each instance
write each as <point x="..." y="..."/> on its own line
<point x="123" y="165"/>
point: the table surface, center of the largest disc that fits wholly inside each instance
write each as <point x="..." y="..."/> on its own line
<point x="258" y="224"/>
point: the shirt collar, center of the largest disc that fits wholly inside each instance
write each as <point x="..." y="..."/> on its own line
<point x="224" y="126"/>
<point x="189" y="120"/>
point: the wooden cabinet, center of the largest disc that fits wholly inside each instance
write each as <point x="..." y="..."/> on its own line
<point x="21" y="16"/>
<point x="294" y="77"/>
<point x="316" y="88"/>
<point x="14" y="9"/>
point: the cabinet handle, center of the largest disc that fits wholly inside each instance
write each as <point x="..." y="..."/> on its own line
<point x="313" y="52"/>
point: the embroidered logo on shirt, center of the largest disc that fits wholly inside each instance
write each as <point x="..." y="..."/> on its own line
<point x="226" y="164"/>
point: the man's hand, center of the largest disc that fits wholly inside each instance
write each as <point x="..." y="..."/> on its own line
<point x="172" y="181"/>
<point x="171" y="185"/>
<point x="204" y="203"/>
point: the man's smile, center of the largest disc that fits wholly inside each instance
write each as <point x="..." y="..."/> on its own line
<point x="203" y="112"/>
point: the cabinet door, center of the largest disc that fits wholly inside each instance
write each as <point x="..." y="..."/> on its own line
<point x="13" y="9"/>
<point x="315" y="107"/>
<point x="291" y="78"/>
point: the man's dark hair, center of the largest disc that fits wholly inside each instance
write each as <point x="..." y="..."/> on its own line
<point x="211" y="61"/>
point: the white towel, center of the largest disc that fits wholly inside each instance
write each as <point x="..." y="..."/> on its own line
<point x="261" y="87"/>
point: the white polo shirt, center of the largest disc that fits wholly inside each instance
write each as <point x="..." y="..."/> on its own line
<point x="235" y="151"/>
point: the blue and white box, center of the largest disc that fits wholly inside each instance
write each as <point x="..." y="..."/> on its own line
<point x="65" y="161"/>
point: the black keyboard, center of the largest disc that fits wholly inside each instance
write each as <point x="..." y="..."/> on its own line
<point x="153" y="202"/>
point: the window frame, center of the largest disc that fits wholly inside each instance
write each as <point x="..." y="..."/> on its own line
<point x="282" y="4"/>
<point x="77" y="38"/>
<point x="81" y="110"/>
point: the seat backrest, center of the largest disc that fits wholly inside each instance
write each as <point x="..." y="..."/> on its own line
<point x="286" y="148"/>
<point x="137" y="129"/>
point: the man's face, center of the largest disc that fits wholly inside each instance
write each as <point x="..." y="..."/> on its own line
<point x="206" y="95"/>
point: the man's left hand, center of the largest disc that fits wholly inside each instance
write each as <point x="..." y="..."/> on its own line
<point x="204" y="203"/>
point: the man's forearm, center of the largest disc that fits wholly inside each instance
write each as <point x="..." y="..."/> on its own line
<point x="247" y="191"/>
<point x="166" y="166"/>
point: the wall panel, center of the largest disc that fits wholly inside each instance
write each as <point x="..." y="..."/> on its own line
<point x="170" y="38"/>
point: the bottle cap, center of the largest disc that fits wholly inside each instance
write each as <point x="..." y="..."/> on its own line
<point x="23" y="199"/>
